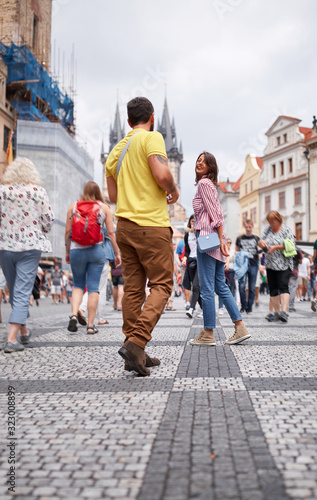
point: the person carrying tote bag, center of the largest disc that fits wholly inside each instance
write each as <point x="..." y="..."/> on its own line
<point x="211" y="263"/>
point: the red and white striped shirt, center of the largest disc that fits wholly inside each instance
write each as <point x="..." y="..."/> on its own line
<point x="208" y="212"/>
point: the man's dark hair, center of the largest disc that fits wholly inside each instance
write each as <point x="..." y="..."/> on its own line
<point x="139" y="110"/>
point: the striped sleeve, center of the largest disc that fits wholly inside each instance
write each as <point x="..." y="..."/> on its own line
<point x="209" y="197"/>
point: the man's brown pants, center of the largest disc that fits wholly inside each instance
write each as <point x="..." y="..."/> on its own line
<point x="146" y="252"/>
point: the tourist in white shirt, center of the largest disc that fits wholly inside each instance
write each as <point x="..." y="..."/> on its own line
<point x="303" y="277"/>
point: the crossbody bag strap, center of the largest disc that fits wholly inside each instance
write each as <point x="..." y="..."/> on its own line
<point x="124" y="152"/>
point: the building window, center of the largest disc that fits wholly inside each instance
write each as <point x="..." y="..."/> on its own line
<point x="281" y="199"/>
<point x="244" y="216"/>
<point x="298" y="231"/>
<point x="267" y="204"/>
<point x="273" y="171"/>
<point x="251" y="186"/>
<point x="246" y="189"/>
<point x="253" y="215"/>
<point x="278" y="141"/>
<point x="285" y="137"/>
<point x="282" y="167"/>
<point x="35" y="32"/>
<point x="6" y="137"/>
<point x="298" y="196"/>
<point x="290" y="165"/>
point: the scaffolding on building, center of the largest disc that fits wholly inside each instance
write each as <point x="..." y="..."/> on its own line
<point x="32" y="92"/>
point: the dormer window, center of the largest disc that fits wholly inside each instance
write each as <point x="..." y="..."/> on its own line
<point x="278" y="141"/>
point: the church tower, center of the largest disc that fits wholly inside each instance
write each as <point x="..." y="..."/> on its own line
<point x="116" y="134"/>
<point x="167" y="128"/>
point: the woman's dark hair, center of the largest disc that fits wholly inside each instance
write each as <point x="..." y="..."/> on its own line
<point x="211" y="163"/>
<point x="92" y="192"/>
<point x="139" y="110"/>
<point x="189" y="220"/>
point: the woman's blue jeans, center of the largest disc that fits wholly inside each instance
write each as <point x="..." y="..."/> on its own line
<point x="20" y="270"/>
<point x="212" y="279"/>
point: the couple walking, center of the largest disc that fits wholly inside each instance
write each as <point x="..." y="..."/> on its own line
<point x="140" y="182"/>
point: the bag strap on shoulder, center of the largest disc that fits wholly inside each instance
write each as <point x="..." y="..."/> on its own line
<point x="124" y="152"/>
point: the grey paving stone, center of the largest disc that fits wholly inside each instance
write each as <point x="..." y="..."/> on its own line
<point x="239" y="416"/>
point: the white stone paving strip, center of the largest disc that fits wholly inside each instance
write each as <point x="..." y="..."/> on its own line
<point x="100" y="442"/>
<point x="276" y="361"/>
<point x="86" y="362"/>
<point x="208" y="384"/>
<point x="288" y="420"/>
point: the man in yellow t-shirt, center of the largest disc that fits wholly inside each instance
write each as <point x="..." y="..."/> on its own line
<point x="142" y="189"/>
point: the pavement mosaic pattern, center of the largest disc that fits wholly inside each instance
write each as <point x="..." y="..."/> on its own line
<point x="224" y="422"/>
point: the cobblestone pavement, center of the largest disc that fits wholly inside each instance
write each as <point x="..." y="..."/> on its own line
<point x="224" y="422"/>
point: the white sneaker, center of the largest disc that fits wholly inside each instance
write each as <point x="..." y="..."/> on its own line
<point x="187" y="306"/>
<point x="200" y="315"/>
<point x="190" y="312"/>
<point x="220" y="311"/>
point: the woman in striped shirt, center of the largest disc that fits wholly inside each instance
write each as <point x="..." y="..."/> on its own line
<point x="209" y="219"/>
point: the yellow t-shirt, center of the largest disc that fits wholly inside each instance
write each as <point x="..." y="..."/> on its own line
<point x="139" y="198"/>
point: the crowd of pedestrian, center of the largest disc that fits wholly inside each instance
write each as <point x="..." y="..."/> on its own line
<point x="139" y="256"/>
<point x="259" y="266"/>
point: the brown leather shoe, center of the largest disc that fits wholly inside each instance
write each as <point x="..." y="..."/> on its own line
<point x="149" y="363"/>
<point x="135" y="356"/>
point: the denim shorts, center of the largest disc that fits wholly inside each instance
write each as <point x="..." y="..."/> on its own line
<point x="87" y="265"/>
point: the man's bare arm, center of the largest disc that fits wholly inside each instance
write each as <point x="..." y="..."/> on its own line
<point x="112" y="189"/>
<point x="163" y="176"/>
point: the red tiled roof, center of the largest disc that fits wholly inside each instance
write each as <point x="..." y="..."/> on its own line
<point x="223" y="186"/>
<point x="237" y="184"/>
<point x="289" y="117"/>
<point x="306" y="131"/>
<point x="259" y="161"/>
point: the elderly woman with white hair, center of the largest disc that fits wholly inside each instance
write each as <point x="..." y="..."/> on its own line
<point x="25" y="218"/>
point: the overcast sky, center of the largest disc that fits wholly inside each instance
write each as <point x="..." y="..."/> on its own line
<point x="228" y="67"/>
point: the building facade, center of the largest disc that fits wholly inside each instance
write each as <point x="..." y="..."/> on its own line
<point x="28" y="22"/>
<point x="312" y="164"/>
<point x="33" y="107"/>
<point x="249" y="193"/>
<point x="229" y="199"/>
<point x="284" y="177"/>
<point x="7" y="116"/>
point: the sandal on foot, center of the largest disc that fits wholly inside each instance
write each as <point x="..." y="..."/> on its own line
<point x="91" y="330"/>
<point x="103" y="322"/>
<point x="72" y="325"/>
<point x="81" y="318"/>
